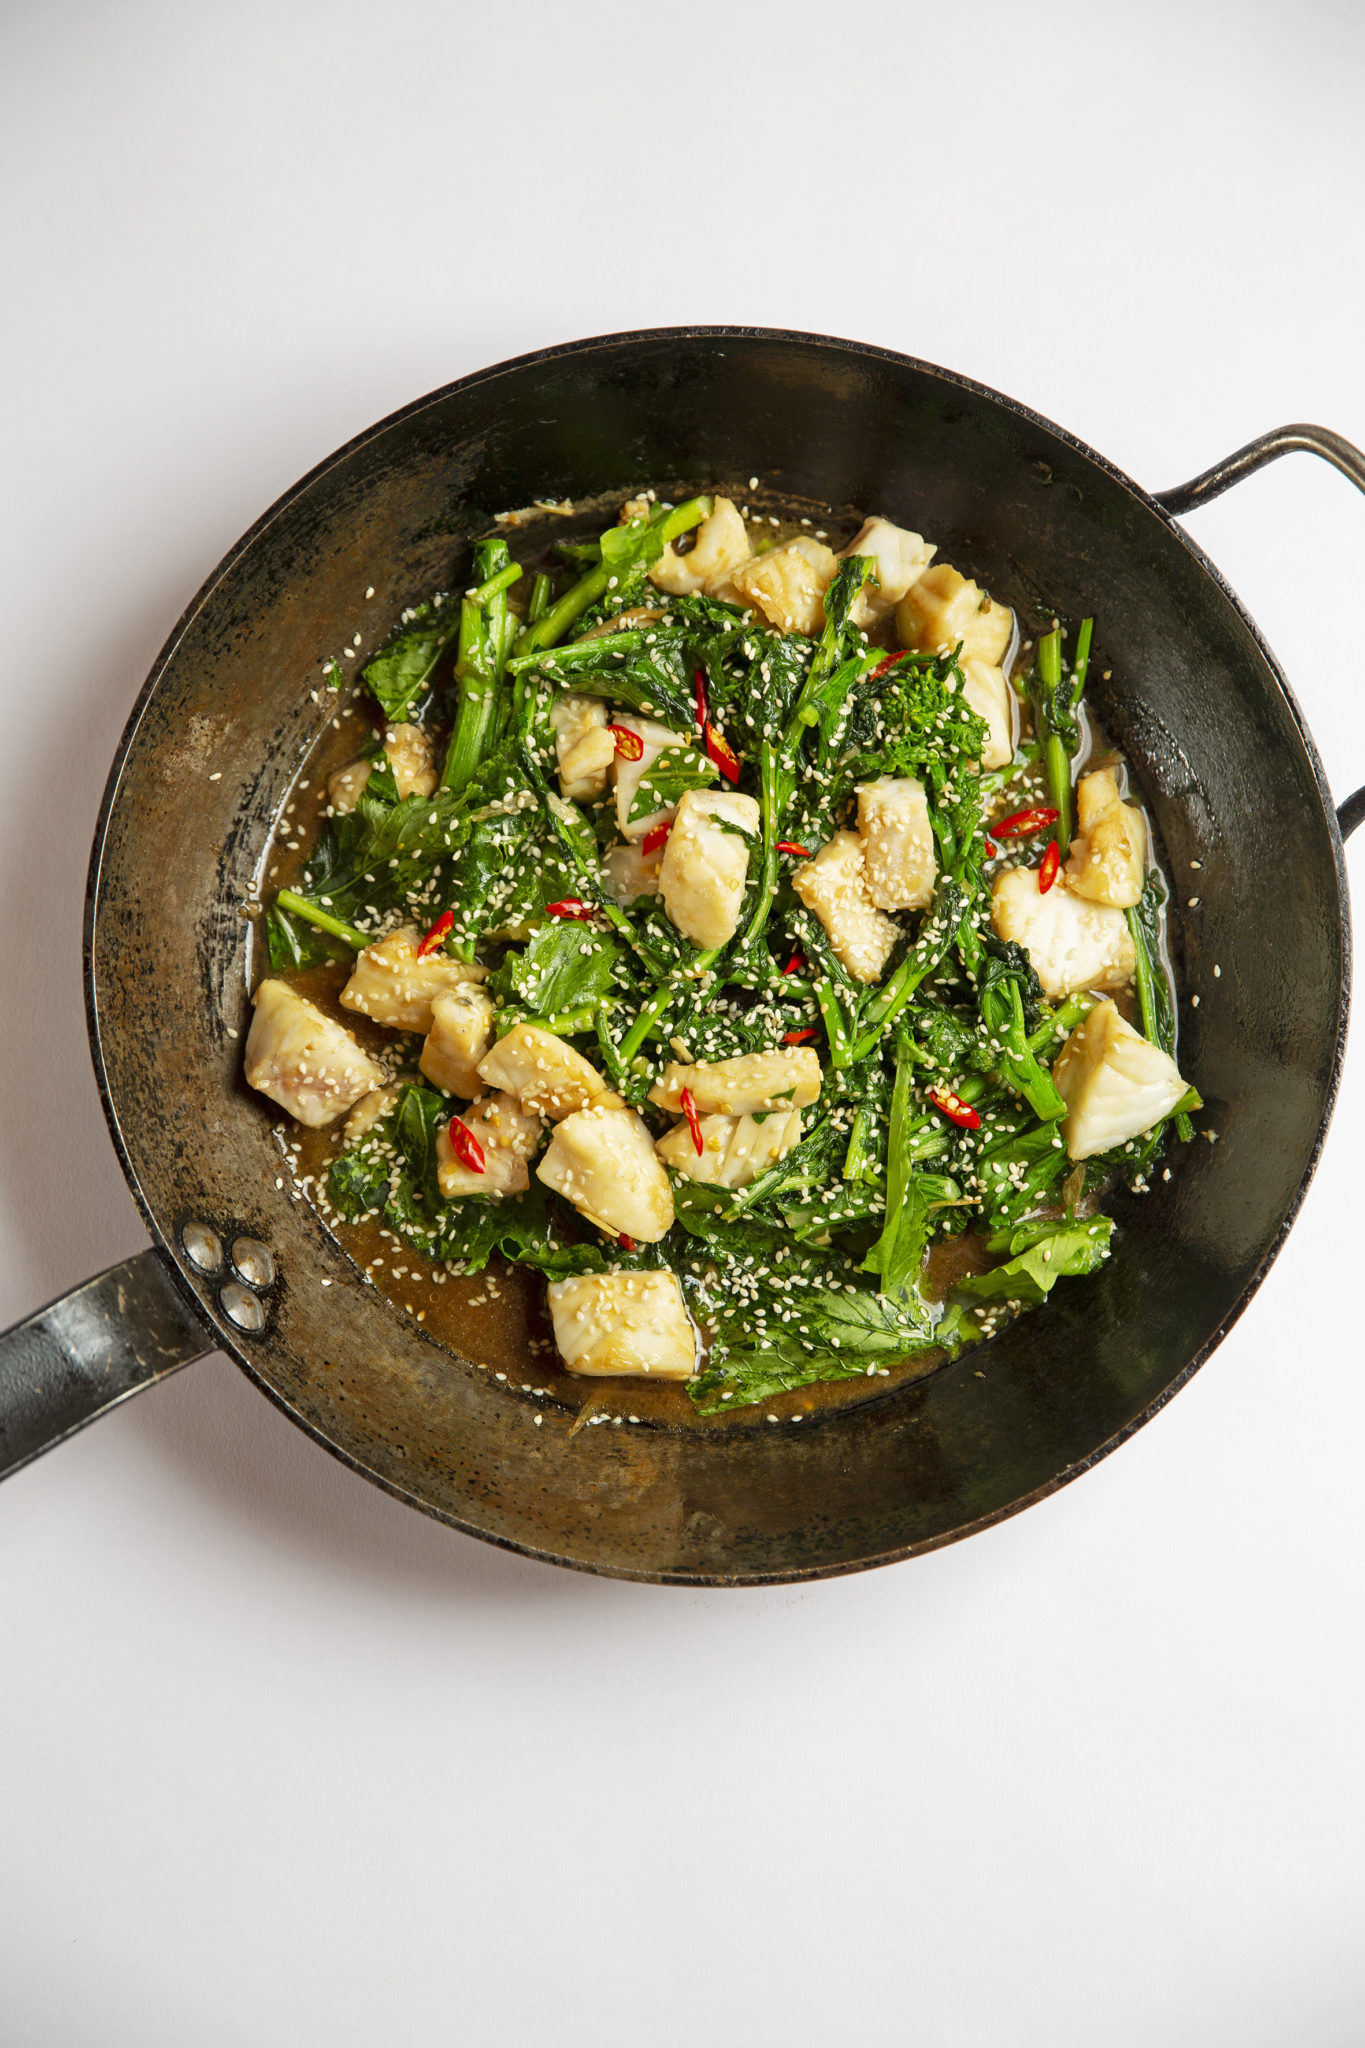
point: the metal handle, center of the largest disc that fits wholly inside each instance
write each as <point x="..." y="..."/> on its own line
<point x="1211" y="483"/>
<point x="120" y="1332"/>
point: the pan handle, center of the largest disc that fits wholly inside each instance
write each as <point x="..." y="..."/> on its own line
<point x="120" y="1332"/>
<point x="1211" y="483"/>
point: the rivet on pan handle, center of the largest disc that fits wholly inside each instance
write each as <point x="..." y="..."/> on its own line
<point x="1211" y="483"/>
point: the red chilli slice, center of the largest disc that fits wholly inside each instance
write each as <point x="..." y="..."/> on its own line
<point x="438" y="934"/>
<point x="1047" y="873"/>
<point x="954" y="1108"/>
<point x="466" y="1146"/>
<point x="652" y="841"/>
<point x="703" y="708"/>
<point x="689" y="1110"/>
<point x="1023" y="824"/>
<point x="889" y="663"/>
<point x="629" y="745"/>
<point x="627" y="1244"/>
<point x="991" y="849"/>
<point x="790" y="846"/>
<point x="798" y="1037"/>
<point x="796" y="963"/>
<point x="722" y="753"/>
<point x="572" y="906"/>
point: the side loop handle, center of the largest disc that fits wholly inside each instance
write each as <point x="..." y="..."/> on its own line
<point x="1211" y="483"/>
<point x="120" y="1332"/>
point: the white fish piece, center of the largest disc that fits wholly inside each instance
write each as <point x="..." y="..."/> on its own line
<point x="788" y="584"/>
<point x="751" y="1083"/>
<point x="548" y="1075"/>
<point x="302" y="1060"/>
<point x="392" y="986"/>
<point x="573" y="721"/>
<point x="628" y="873"/>
<point x="603" y="1161"/>
<point x="735" y="1149"/>
<point x="630" y="773"/>
<point x="371" y="1110"/>
<point x="944" y="608"/>
<point x="1117" y="1084"/>
<point x="1108" y="861"/>
<point x="987" y="691"/>
<point x="898" y="843"/>
<point x="834" y="885"/>
<point x="722" y="544"/>
<point x="701" y="878"/>
<point x="507" y="1138"/>
<point x="901" y="558"/>
<point x="1072" y="944"/>
<point x="461" y="1033"/>
<point x="412" y="757"/>
<point x="612" y="1325"/>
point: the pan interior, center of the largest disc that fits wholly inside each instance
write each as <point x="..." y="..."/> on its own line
<point x="238" y="704"/>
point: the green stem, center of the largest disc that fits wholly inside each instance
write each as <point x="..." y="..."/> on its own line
<point x="555" y="623"/>
<point x="1062" y="1022"/>
<point x="857" y="1145"/>
<point x="1146" y="993"/>
<point x="540" y="599"/>
<point x="322" y="920"/>
<point x="658" y="1005"/>
<point x="503" y="580"/>
<point x="1057" y="768"/>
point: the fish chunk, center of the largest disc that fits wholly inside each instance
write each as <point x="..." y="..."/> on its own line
<point x="461" y="1033"/>
<point x="788" y="584"/>
<point x="579" y="723"/>
<point x="371" y="1110"/>
<point x="548" y="1075"/>
<point x="629" y="774"/>
<point x="835" y="886"/>
<point x="987" y="692"/>
<point x="898" y="843"/>
<point x="750" y="1083"/>
<point x="1117" y="1084"/>
<point x="507" y="1138"/>
<point x="944" y="608"/>
<point x="628" y="873"/>
<point x="603" y="1161"/>
<point x="1108" y="861"/>
<point x="722" y="544"/>
<point x="1071" y="943"/>
<point x="391" y="985"/>
<point x="611" y="1324"/>
<point x="411" y="756"/>
<point x="701" y="878"/>
<point x="734" y="1149"/>
<point x="901" y="558"/>
<point x="302" y="1060"/>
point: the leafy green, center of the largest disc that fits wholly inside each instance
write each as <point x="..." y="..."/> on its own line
<point x="402" y="673"/>
<point x="669" y="776"/>
<point x="1043" y="1255"/>
<point x="563" y="967"/>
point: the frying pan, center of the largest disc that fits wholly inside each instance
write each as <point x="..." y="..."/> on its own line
<point x="1227" y="768"/>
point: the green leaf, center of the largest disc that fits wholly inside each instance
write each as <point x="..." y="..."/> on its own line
<point x="563" y="967"/>
<point x="402" y="672"/>
<point x="674" y="771"/>
<point x="1045" y="1254"/>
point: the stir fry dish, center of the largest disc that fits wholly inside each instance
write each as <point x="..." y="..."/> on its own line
<point x="757" y="941"/>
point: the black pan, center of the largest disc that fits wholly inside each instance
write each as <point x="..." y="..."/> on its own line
<point x="1226" y="765"/>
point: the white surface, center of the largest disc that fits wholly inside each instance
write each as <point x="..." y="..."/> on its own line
<point x="280" y="1762"/>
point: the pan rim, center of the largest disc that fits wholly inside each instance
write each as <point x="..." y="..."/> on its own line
<point x="742" y="334"/>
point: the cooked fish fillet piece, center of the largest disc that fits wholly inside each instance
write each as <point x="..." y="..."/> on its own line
<point x="507" y="1138"/>
<point x="629" y="774"/>
<point x="898" y="843"/>
<point x="1117" y="1084"/>
<point x="461" y="1033"/>
<point x="302" y="1060"/>
<point x="722" y="543"/>
<point x="901" y="558"/>
<point x="548" y="1076"/>
<point x="391" y="985"/>
<point x="987" y="691"/>
<point x="835" y="887"/>
<point x="750" y="1083"/>
<point x="701" y="877"/>
<point x="735" y="1149"/>
<point x="574" y="722"/>
<point x="945" y="607"/>
<point x="629" y="873"/>
<point x="412" y="758"/>
<point x="371" y="1110"/>
<point x="1072" y="944"/>
<point x="1108" y="860"/>
<point x="788" y="584"/>
<point x="603" y="1161"/>
<point x="611" y="1324"/>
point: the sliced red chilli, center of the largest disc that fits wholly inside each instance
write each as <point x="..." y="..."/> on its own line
<point x="572" y="906"/>
<point x="1047" y="873"/>
<point x="703" y="708"/>
<point x="954" y="1108"/>
<point x="790" y="846"/>
<point x="438" y="934"/>
<point x="629" y="745"/>
<point x="1025" y="824"/>
<point x="652" y="841"/>
<point x="466" y="1146"/>
<point x="689" y="1110"/>
<point x="722" y="753"/>
<point x="798" y="1037"/>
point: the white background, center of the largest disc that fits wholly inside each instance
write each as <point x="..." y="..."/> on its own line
<point x="281" y="1762"/>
